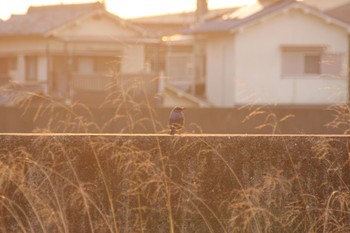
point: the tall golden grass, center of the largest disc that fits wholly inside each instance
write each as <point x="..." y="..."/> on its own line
<point x="104" y="183"/>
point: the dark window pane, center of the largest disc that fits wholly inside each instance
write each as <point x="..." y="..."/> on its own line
<point x="312" y="64"/>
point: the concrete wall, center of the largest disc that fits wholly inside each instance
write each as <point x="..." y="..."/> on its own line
<point x="160" y="183"/>
<point x="116" y="119"/>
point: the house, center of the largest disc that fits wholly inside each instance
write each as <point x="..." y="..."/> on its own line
<point x="178" y="53"/>
<point x="276" y="52"/>
<point x="67" y="49"/>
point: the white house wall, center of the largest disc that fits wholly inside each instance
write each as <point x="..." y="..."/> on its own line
<point x="133" y="59"/>
<point x="220" y="70"/>
<point x="42" y="68"/>
<point x="258" y="62"/>
<point x="19" y="73"/>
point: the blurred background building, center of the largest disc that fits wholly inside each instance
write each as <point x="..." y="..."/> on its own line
<point x="287" y="53"/>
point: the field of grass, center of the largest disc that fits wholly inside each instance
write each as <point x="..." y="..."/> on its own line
<point x="159" y="183"/>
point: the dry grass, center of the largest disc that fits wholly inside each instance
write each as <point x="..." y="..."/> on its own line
<point x="169" y="184"/>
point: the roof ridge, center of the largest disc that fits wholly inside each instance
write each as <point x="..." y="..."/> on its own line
<point x="41" y="8"/>
<point x="47" y="18"/>
<point x="190" y="12"/>
<point x="226" y="24"/>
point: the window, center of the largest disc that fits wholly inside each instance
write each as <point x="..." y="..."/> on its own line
<point x="85" y="65"/>
<point x="31" y="68"/>
<point x="103" y="65"/>
<point x="7" y="64"/>
<point x="301" y="62"/>
<point x="308" y="60"/>
<point x="312" y="63"/>
<point x="4" y="70"/>
<point x="155" y="57"/>
<point x="95" y="65"/>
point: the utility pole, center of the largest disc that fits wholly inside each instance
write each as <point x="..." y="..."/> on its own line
<point x="201" y="10"/>
<point x="198" y="84"/>
<point x="103" y="2"/>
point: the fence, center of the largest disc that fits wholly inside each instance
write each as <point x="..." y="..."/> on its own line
<point x="159" y="183"/>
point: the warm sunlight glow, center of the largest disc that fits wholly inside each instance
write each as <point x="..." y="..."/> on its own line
<point x="122" y="8"/>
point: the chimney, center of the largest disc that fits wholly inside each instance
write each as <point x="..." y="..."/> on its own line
<point x="201" y="10"/>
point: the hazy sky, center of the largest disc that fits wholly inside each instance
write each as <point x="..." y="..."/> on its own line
<point x="122" y="8"/>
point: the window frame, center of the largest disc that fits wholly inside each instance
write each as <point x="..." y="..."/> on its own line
<point x="312" y="67"/>
<point x="299" y="54"/>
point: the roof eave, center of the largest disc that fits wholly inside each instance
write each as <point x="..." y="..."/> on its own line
<point x="306" y="9"/>
<point x="213" y="33"/>
<point x="22" y="36"/>
<point x="53" y="32"/>
<point x="327" y="18"/>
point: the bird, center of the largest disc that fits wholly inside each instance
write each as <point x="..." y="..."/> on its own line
<point x="176" y="119"/>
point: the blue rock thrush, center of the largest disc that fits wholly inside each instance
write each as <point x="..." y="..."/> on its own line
<point x="176" y="119"/>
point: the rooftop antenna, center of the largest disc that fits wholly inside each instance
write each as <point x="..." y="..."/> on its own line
<point x="198" y="47"/>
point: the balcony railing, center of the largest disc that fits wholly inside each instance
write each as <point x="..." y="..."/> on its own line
<point x="90" y="82"/>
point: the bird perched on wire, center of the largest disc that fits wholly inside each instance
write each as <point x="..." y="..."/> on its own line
<point x="176" y="119"/>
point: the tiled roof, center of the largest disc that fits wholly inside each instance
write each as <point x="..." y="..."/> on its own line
<point x="239" y="17"/>
<point x="41" y="19"/>
<point x="170" y="24"/>
<point x="245" y="15"/>
<point x="341" y="13"/>
<point x="325" y="5"/>
<point x="180" y="18"/>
